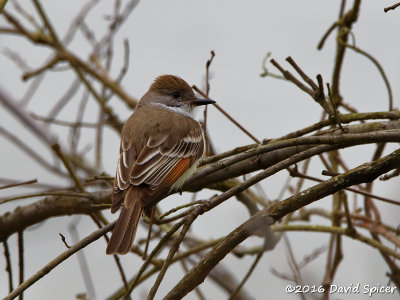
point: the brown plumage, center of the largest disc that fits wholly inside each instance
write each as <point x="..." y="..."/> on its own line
<point x="159" y="143"/>
<point x="167" y="83"/>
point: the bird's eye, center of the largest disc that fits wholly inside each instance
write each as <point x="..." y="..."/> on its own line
<point x="175" y="94"/>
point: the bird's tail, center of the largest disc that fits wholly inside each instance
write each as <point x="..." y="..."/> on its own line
<point x="125" y="229"/>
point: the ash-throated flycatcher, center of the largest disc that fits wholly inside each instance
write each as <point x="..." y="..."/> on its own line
<point x="161" y="145"/>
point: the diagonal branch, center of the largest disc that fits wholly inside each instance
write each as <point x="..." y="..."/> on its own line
<point x="364" y="173"/>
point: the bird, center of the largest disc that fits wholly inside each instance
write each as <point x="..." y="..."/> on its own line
<point x="161" y="146"/>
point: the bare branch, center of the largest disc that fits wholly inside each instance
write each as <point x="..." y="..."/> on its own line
<point x="392" y="7"/>
<point x="364" y="173"/>
<point x="18" y="184"/>
<point x="59" y="259"/>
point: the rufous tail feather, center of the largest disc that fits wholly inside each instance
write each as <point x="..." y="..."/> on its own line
<point x="124" y="231"/>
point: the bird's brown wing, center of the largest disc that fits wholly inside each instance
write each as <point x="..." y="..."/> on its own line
<point x="141" y="178"/>
<point x="159" y="164"/>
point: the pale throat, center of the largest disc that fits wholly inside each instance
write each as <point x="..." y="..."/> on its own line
<point x="185" y="110"/>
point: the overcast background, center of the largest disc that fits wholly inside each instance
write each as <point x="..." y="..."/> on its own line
<point x="175" y="37"/>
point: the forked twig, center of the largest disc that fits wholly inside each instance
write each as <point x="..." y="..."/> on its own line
<point x="316" y="91"/>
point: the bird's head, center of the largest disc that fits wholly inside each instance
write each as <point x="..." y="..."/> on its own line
<point x="173" y="92"/>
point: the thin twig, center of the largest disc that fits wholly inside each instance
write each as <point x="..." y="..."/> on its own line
<point x="47" y="66"/>
<point x="340" y="231"/>
<point x="64" y="241"/>
<point x="266" y="72"/>
<point x="24" y="117"/>
<point x="124" y="69"/>
<point x="2" y="5"/>
<point x="346" y="21"/>
<point x="75" y="131"/>
<point x="337" y="116"/>
<point x="296" y="173"/>
<point x="160" y="245"/>
<point x="46" y="21"/>
<point x="96" y="219"/>
<point x="302" y="74"/>
<point x="378" y="66"/>
<point x="21" y="260"/>
<point x="294" y="267"/>
<point x="62" y="122"/>
<point x="316" y="91"/>
<point x="83" y="265"/>
<point x="64" y="99"/>
<point x="171" y="254"/>
<point x="228" y="116"/>
<point x="175" y="209"/>
<point x="158" y="264"/>
<point x="205" y="114"/>
<point x="153" y="210"/>
<point x="249" y="272"/>
<point x="392" y="7"/>
<point x="58" y="260"/>
<point x="350" y="226"/>
<point x="326" y="35"/>
<point x="208" y="64"/>
<point x="51" y="193"/>
<point x="18" y="184"/>
<point x="8" y="266"/>
<point x="289" y="76"/>
<point x="30" y="153"/>
<point x="67" y="165"/>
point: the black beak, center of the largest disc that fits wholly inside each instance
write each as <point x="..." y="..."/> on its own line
<point x="202" y="101"/>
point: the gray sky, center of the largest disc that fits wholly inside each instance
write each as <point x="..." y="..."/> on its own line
<point x="175" y="37"/>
